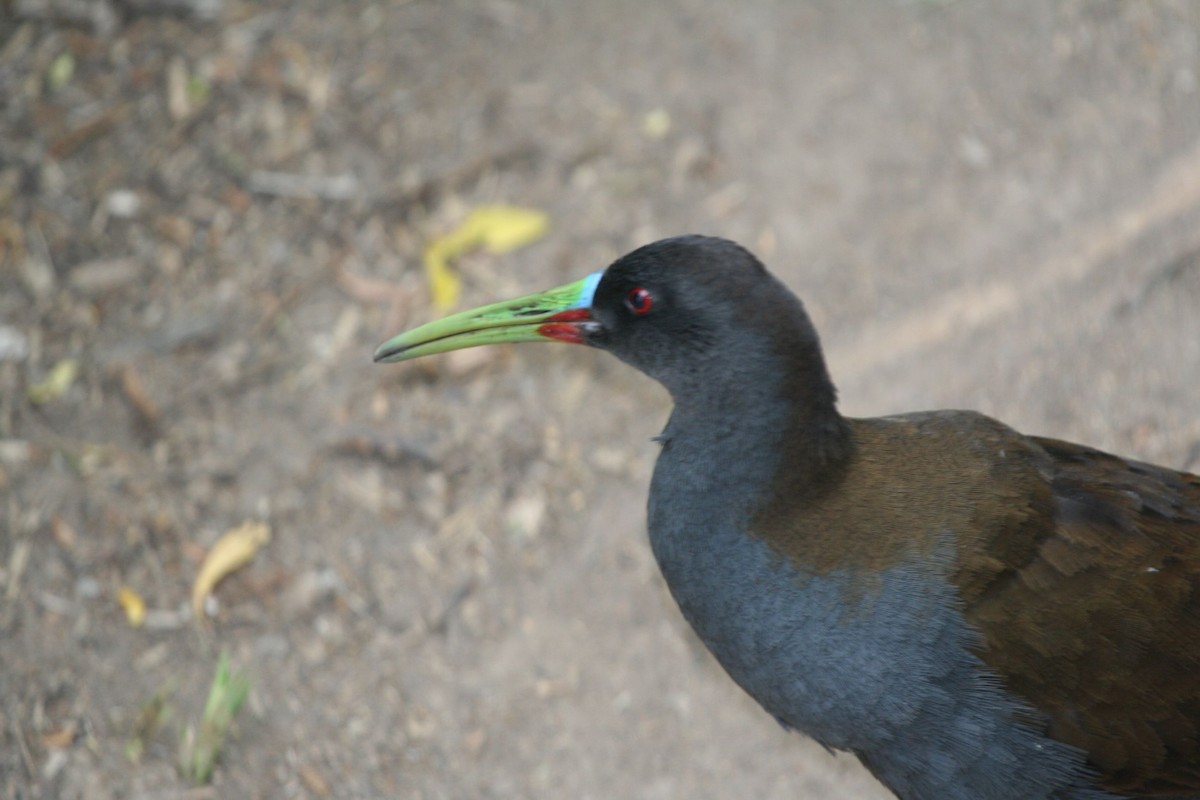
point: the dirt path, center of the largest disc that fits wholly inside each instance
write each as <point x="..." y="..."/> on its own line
<point x="984" y="205"/>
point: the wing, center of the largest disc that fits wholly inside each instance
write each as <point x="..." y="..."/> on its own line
<point x="1087" y="594"/>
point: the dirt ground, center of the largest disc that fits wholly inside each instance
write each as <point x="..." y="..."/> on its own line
<point x="217" y="210"/>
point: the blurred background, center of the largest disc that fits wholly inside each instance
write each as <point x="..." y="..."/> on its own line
<point x="212" y="211"/>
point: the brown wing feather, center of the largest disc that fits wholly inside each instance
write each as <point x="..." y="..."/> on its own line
<point x="1081" y="571"/>
<point x="1086" y="589"/>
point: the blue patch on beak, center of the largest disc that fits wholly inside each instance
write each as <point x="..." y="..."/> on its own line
<point x="589" y="290"/>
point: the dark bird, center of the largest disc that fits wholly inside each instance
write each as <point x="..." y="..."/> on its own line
<point x="975" y="613"/>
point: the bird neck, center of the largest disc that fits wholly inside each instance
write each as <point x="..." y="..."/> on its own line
<point x="759" y="411"/>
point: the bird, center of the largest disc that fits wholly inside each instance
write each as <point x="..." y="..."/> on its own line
<point x="975" y="613"/>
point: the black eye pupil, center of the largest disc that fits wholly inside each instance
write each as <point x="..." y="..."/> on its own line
<point x="639" y="300"/>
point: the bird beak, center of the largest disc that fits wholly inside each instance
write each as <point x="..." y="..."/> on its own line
<point x="561" y="314"/>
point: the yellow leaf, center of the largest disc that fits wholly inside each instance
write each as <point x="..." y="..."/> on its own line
<point x="233" y="550"/>
<point x="498" y="229"/>
<point x="503" y="229"/>
<point x="444" y="285"/>
<point x="134" y="605"/>
<point x="55" y="385"/>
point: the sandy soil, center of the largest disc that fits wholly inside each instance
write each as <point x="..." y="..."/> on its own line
<point x="984" y="205"/>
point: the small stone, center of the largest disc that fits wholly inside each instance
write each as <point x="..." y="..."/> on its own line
<point x="105" y="275"/>
<point x="15" y="452"/>
<point x="179" y="230"/>
<point x="38" y="276"/>
<point x="14" y="345"/>
<point x="123" y="204"/>
<point x="525" y="515"/>
<point x="55" y="761"/>
<point x="310" y="588"/>
<point x="178" y="104"/>
<point x="162" y="619"/>
<point x="87" y="588"/>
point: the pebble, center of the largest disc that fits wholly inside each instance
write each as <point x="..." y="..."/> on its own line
<point x="87" y="588"/>
<point x="14" y="345"/>
<point x="105" y="275"/>
<point x="55" y="761"/>
<point x="123" y="204"/>
<point x="310" y="588"/>
<point x="525" y="515"/>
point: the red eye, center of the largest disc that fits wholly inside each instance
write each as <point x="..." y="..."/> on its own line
<point x="640" y="301"/>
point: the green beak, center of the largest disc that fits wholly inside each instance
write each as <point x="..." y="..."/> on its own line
<point x="553" y="315"/>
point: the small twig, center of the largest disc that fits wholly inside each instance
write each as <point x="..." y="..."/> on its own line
<point x="194" y="9"/>
<point x="427" y="193"/>
<point x="54" y="604"/>
<point x="16" y="568"/>
<point x="456" y="598"/>
<point x="39" y="272"/>
<point x="90" y="129"/>
<point x="372" y="291"/>
<point x="23" y="746"/>
<point x="286" y="184"/>
<point x="275" y="306"/>
<point x="392" y="452"/>
<point x="97" y="15"/>
<point x="149" y="417"/>
<point x="368" y="290"/>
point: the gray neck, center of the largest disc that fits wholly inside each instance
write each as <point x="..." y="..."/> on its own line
<point x="721" y="446"/>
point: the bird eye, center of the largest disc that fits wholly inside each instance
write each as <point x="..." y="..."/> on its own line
<point x="639" y="301"/>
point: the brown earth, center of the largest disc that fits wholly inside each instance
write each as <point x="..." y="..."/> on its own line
<point x="985" y="205"/>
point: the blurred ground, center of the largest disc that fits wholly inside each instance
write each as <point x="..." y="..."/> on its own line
<point x="987" y="205"/>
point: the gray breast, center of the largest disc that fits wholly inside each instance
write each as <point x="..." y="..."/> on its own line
<point x="882" y="667"/>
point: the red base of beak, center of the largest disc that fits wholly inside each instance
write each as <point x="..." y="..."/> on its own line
<point x="560" y="327"/>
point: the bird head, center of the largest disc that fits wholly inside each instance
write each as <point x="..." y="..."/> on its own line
<point x="686" y="311"/>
